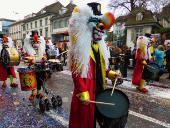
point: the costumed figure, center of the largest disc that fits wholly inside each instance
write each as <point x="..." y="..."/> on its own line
<point x="141" y="57"/>
<point x="35" y="49"/>
<point x="51" y="51"/>
<point x="88" y="62"/>
<point x="159" y="56"/>
<point x="152" y="49"/>
<point x="5" y="70"/>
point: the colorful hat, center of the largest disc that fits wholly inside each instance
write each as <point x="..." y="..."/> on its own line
<point x="108" y="20"/>
<point x="96" y="7"/>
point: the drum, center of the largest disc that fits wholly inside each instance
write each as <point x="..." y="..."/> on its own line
<point x="55" y="65"/>
<point x="27" y="79"/>
<point x="151" y="72"/>
<point x="113" y="115"/>
<point x="39" y="67"/>
<point x="51" y="54"/>
<point x="10" y="57"/>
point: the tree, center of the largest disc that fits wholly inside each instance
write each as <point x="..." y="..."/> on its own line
<point x="130" y="5"/>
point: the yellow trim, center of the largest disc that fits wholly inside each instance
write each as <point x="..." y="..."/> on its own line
<point x="144" y="62"/>
<point x="103" y="66"/>
<point x="84" y="96"/>
<point x="92" y="55"/>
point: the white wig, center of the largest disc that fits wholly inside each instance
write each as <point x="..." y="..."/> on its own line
<point x="143" y="40"/>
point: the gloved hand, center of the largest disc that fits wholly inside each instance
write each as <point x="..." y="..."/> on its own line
<point x="113" y="74"/>
<point x="84" y="96"/>
<point x="144" y="62"/>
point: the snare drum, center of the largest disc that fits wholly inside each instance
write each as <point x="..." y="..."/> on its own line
<point x="55" y="65"/>
<point x="27" y="79"/>
<point x="10" y="57"/>
<point x="39" y="67"/>
<point x="113" y="115"/>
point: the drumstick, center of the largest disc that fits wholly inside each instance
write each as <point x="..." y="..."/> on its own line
<point x="97" y="102"/>
<point x="150" y="66"/>
<point x="62" y="53"/>
<point x="114" y="86"/>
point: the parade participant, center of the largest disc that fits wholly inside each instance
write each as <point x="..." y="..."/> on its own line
<point x="168" y="58"/>
<point x="88" y="59"/>
<point x="152" y="49"/>
<point x="51" y="51"/>
<point x="141" y="57"/>
<point x="5" y="71"/>
<point x="35" y="49"/>
<point x="159" y="56"/>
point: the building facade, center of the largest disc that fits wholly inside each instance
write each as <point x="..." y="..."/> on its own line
<point x="4" y="25"/>
<point x="59" y="23"/>
<point x="139" y="22"/>
<point x="15" y="32"/>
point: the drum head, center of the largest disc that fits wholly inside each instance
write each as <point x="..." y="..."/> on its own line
<point x="118" y="98"/>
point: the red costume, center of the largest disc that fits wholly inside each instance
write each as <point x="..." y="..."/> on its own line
<point x="4" y="74"/>
<point x="141" y="56"/>
<point x="87" y="60"/>
<point x="138" y="70"/>
<point x="6" y="71"/>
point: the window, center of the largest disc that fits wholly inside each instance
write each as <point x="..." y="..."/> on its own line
<point x="61" y="23"/>
<point x="139" y="16"/>
<point x="27" y="26"/>
<point x="139" y="32"/>
<point x="46" y="32"/>
<point x="40" y="23"/>
<point x="40" y="32"/>
<point x="31" y="25"/>
<point x="35" y="24"/>
<point x="24" y="28"/>
<point x="46" y="21"/>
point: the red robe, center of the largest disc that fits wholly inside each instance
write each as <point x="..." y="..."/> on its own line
<point x="82" y="116"/>
<point x="4" y="74"/>
<point x="138" y="70"/>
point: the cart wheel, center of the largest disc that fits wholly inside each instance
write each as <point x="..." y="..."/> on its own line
<point x="47" y="104"/>
<point x="59" y="101"/>
<point x="42" y="105"/>
<point x="54" y="102"/>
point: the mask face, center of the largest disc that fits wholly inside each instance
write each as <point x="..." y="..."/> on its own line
<point x="98" y="28"/>
<point x="35" y="41"/>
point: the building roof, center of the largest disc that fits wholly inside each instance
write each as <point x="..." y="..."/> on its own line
<point x="68" y="13"/>
<point x="17" y="22"/>
<point x="165" y="12"/>
<point x="122" y="18"/>
<point x="51" y="9"/>
<point x="148" y="18"/>
<point x="4" y="19"/>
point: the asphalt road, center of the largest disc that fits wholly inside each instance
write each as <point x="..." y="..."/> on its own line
<point x="146" y="111"/>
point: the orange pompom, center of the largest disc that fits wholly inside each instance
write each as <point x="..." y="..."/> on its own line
<point x="5" y="39"/>
<point x="108" y="20"/>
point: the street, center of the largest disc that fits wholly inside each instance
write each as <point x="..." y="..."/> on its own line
<point x="146" y="110"/>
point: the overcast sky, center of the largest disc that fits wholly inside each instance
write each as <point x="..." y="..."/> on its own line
<point x="17" y="9"/>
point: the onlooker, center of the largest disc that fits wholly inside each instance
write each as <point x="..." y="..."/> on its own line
<point x="168" y="59"/>
<point x="159" y="56"/>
